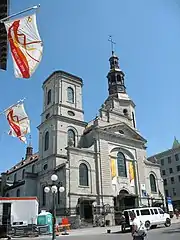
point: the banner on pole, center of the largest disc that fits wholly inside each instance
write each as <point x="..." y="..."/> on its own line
<point x="18" y="121"/>
<point x="131" y="174"/>
<point x="25" y="44"/>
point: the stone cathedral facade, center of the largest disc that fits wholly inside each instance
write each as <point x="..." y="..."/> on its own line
<point x="102" y="162"/>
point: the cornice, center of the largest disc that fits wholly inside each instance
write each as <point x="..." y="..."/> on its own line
<point x="65" y="119"/>
<point x="117" y="136"/>
<point x="66" y="75"/>
<point x="151" y="163"/>
<point x="82" y="150"/>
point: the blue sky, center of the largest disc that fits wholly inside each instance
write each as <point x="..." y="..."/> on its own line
<point x="75" y="36"/>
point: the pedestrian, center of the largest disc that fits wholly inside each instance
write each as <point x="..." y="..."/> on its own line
<point x="177" y="213"/>
<point x="139" y="231"/>
<point x="123" y="222"/>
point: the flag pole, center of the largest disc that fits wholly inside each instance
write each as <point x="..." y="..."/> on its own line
<point x="20" y="101"/>
<point x="16" y="14"/>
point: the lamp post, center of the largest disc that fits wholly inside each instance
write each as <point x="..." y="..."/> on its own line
<point x="54" y="189"/>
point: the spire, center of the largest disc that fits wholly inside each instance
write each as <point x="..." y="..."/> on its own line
<point x="29" y="149"/>
<point x="175" y="143"/>
<point x="115" y="75"/>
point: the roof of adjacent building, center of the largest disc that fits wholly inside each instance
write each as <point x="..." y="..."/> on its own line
<point x="174" y="149"/>
<point x="23" y="163"/>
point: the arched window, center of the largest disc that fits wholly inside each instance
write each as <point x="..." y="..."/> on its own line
<point x="119" y="79"/>
<point x="49" y="97"/>
<point x="121" y="163"/>
<point x="83" y="175"/>
<point x="46" y="141"/>
<point x="70" y="95"/>
<point x="43" y="197"/>
<point x="23" y="173"/>
<point x="15" y="177"/>
<point x="18" y="193"/>
<point x="71" y="138"/>
<point x="153" y="183"/>
<point x="33" y="168"/>
<point x="45" y="167"/>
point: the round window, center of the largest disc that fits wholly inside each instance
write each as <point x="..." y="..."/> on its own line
<point x="70" y="113"/>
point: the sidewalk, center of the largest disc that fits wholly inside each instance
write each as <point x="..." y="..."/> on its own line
<point x="103" y="230"/>
<point x="93" y="231"/>
<point x="174" y="220"/>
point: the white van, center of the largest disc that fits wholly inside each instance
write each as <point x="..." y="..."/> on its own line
<point x="149" y="216"/>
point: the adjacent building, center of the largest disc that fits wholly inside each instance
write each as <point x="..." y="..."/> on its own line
<point x="103" y="162"/>
<point x="170" y="171"/>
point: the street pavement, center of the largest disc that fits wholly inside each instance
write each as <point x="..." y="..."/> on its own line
<point x="160" y="233"/>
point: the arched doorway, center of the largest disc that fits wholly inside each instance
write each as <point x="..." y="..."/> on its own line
<point x="85" y="209"/>
<point x="125" y="200"/>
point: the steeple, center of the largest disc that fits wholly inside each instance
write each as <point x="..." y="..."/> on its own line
<point x="115" y="75"/>
<point x="175" y="143"/>
<point x="29" y="149"/>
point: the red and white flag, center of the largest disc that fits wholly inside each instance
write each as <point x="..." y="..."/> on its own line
<point x="25" y="44"/>
<point x="18" y="121"/>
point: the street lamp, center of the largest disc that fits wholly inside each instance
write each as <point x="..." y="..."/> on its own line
<point x="54" y="189"/>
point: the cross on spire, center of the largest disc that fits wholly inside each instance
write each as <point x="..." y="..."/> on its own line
<point x="30" y="141"/>
<point x="112" y="43"/>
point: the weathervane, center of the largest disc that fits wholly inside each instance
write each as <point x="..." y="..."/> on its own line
<point x="112" y="44"/>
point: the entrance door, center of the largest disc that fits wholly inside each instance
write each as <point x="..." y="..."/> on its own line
<point x="126" y="201"/>
<point x="86" y="210"/>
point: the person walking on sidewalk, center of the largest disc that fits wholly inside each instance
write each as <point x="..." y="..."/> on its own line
<point x="177" y="213"/>
<point x="139" y="231"/>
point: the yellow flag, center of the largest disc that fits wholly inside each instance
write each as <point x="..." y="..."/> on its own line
<point x="131" y="173"/>
<point x="113" y="168"/>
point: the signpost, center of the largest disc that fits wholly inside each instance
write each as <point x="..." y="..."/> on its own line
<point x="169" y="202"/>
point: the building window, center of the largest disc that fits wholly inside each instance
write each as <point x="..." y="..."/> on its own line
<point x="172" y="180"/>
<point x="23" y="173"/>
<point x="174" y="192"/>
<point x="46" y="141"/>
<point x="163" y="172"/>
<point x="43" y="197"/>
<point x="166" y="193"/>
<point x="162" y="162"/>
<point x="33" y="168"/>
<point x="165" y="182"/>
<point x="177" y="157"/>
<point x="169" y="160"/>
<point x="71" y="138"/>
<point x="45" y="167"/>
<point x="153" y="183"/>
<point x="15" y="177"/>
<point x="121" y="164"/>
<point x="18" y="193"/>
<point x="49" y="97"/>
<point x="70" y="95"/>
<point x="83" y="175"/>
<point x="170" y="170"/>
<point x="179" y="178"/>
<point x="178" y="168"/>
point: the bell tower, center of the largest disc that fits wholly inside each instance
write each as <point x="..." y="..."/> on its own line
<point x="118" y="107"/>
<point x="115" y="77"/>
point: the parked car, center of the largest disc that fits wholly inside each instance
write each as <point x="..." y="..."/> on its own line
<point x="149" y="216"/>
